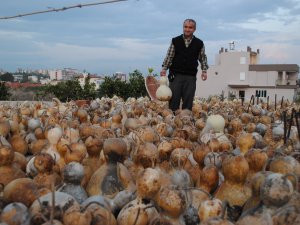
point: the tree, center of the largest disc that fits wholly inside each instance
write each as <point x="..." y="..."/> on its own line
<point x="4" y="91"/>
<point x="7" y="77"/>
<point x="71" y="90"/>
<point x="66" y="91"/>
<point x="89" y="89"/>
<point x="137" y="84"/>
<point x="135" y="87"/>
<point x="113" y="86"/>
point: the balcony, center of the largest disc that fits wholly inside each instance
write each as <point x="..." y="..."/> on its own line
<point x="280" y="82"/>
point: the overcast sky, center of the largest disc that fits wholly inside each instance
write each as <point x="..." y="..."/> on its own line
<point x="133" y="34"/>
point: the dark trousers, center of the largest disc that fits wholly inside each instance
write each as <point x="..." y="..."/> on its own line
<point x="182" y="87"/>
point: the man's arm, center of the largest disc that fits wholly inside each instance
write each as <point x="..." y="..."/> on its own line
<point x="203" y="60"/>
<point x="168" y="60"/>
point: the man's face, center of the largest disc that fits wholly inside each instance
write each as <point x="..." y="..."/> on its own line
<point x="188" y="28"/>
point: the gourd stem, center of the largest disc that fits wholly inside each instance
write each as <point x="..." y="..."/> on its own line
<point x="225" y="204"/>
<point x="284" y="125"/>
<point x="297" y="124"/>
<point x="295" y="185"/>
<point x="290" y="125"/>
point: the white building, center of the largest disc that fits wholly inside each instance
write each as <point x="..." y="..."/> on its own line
<point x="239" y="73"/>
<point x="55" y="74"/>
<point x="120" y="75"/>
<point x="33" y="79"/>
<point x="93" y="79"/>
<point x="64" y="74"/>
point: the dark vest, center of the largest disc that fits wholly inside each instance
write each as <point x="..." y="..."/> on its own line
<point x="185" y="60"/>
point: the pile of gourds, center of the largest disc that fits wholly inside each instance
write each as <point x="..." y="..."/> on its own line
<point x="136" y="162"/>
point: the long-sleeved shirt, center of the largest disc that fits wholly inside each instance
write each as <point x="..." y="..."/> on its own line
<point x="171" y="53"/>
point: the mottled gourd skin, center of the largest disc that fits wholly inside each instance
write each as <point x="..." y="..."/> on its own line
<point x="23" y="190"/>
<point x="73" y="174"/>
<point x="63" y="202"/>
<point x="288" y="215"/>
<point x="256" y="183"/>
<point x="7" y="170"/>
<point x="256" y="159"/>
<point x="105" y="181"/>
<point x="276" y="190"/>
<point x="15" y="213"/>
<point x="113" y="176"/>
<point x="285" y="165"/>
<point x="148" y="183"/>
<point x="136" y="212"/>
<point x="233" y="189"/>
<point x="171" y="201"/>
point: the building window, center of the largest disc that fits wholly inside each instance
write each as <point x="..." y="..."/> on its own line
<point x="242" y="76"/>
<point x="243" y="60"/>
<point x="261" y="93"/>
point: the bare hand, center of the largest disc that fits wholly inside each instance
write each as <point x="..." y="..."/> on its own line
<point x="204" y="76"/>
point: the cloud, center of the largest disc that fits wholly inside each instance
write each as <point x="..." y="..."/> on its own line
<point x="133" y="49"/>
<point x="16" y="35"/>
<point x="136" y="34"/>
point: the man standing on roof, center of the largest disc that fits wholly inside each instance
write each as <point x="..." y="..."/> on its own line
<point x="182" y="62"/>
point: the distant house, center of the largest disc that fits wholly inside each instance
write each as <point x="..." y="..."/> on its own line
<point x="33" y="79"/>
<point x="97" y="80"/>
<point x="63" y="74"/>
<point x="120" y="75"/>
<point x="18" y="77"/>
<point x="55" y="74"/>
<point x="240" y="74"/>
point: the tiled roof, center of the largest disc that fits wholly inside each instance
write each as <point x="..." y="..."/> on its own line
<point x="18" y="85"/>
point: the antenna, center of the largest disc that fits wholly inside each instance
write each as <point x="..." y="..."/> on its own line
<point x="231" y="46"/>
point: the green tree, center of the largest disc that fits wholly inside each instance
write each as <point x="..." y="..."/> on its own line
<point x="71" y="90"/>
<point x="113" y="86"/>
<point x="135" y="87"/>
<point x="4" y="91"/>
<point x="66" y="91"/>
<point x="137" y="84"/>
<point x="89" y="89"/>
<point x="7" y="77"/>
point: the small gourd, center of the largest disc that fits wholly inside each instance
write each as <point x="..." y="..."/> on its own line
<point x="73" y="174"/>
<point x="15" y="213"/>
<point x="44" y="164"/>
<point x="137" y="212"/>
<point x="7" y="170"/>
<point x="210" y="208"/>
<point x="233" y="189"/>
<point x="163" y="93"/>
<point x="111" y="177"/>
<point x="277" y="189"/>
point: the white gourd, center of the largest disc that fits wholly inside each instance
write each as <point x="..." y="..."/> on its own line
<point x="163" y="93"/>
<point x="216" y="122"/>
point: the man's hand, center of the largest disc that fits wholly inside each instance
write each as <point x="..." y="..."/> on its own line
<point x="204" y="75"/>
<point x="163" y="73"/>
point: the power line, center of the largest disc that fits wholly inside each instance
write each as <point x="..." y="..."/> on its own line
<point x="60" y="9"/>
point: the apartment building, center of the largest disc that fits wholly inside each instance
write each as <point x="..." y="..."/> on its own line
<point x="97" y="80"/>
<point x="239" y="73"/>
<point x="64" y="74"/>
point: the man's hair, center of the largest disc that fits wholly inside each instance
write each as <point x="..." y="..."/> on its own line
<point x="191" y="21"/>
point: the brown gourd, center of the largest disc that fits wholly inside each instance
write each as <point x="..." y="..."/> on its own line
<point x="233" y="189"/>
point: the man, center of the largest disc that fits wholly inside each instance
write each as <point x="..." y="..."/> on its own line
<point x="182" y="61"/>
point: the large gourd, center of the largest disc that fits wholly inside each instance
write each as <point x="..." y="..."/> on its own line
<point x="163" y="93"/>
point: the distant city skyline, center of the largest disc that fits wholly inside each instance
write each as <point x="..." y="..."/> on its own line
<point x="133" y="34"/>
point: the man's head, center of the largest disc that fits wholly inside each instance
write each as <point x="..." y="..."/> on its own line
<point x="189" y="27"/>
